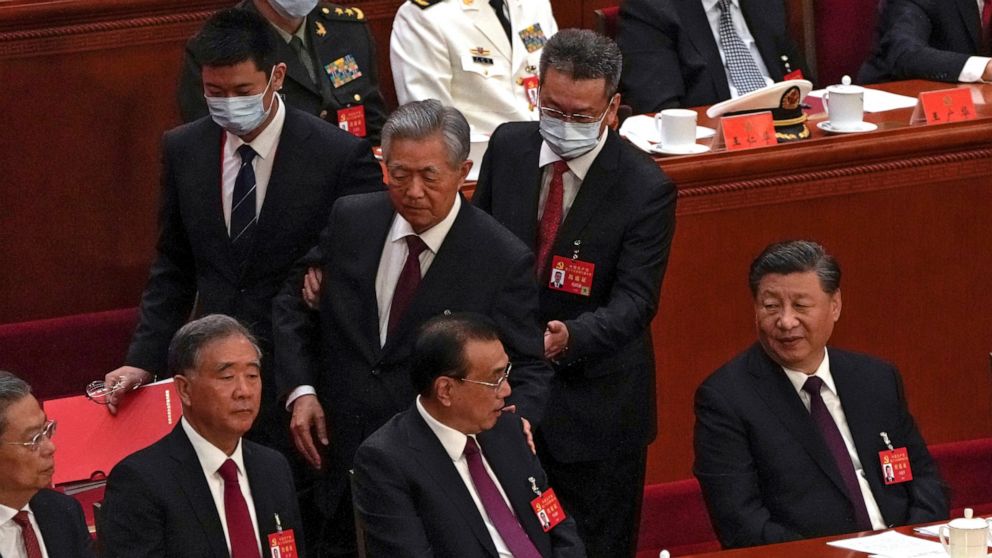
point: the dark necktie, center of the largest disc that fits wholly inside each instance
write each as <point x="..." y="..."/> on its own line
<point x="239" y="528"/>
<point x="551" y="218"/>
<point x="744" y="73"/>
<point x="499" y="513"/>
<point x="838" y="449"/>
<point x="408" y="282"/>
<point x="243" y="205"/>
<point x="498" y="7"/>
<point x="987" y="27"/>
<point x="31" y="546"/>
<point x="296" y="44"/>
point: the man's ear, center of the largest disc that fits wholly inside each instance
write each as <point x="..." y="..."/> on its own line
<point x="183" y="388"/>
<point x="443" y="386"/>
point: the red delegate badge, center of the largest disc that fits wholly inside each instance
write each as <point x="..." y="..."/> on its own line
<point x="794" y="74"/>
<point x="282" y="544"/>
<point x="352" y="119"/>
<point x="571" y="276"/>
<point x="547" y="509"/>
<point x="895" y="466"/>
<point x="531" y="88"/>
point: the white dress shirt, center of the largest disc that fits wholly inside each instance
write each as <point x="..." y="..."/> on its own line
<point x="211" y="458"/>
<point x="11" y="542"/>
<point x="394" y="253"/>
<point x="712" y="8"/>
<point x="832" y="401"/>
<point x="975" y="66"/>
<point x="265" y="147"/>
<point x="571" y="180"/>
<point x="454" y="444"/>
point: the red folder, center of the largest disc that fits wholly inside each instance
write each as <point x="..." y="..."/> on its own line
<point x="89" y="441"/>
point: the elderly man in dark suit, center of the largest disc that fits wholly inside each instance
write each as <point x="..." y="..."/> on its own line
<point x="941" y="40"/>
<point x="685" y="53"/>
<point x="453" y="475"/>
<point x="330" y="65"/>
<point x="604" y="214"/>
<point x="203" y="491"/>
<point x="792" y="437"/>
<point x="33" y="518"/>
<point x="391" y="261"/>
<point x="229" y="239"/>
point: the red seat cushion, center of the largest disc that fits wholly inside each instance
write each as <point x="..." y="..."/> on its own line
<point x="674" y="517"/>
<point x="966" y="468"/>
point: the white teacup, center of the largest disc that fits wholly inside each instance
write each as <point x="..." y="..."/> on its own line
<point x="677" y="127"/>
<point x="845" y="105"/>
<point x="966" y="537"/>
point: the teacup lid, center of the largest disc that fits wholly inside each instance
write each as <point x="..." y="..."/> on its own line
<point x="845" y="87"/>
<point x="969" y="522"/>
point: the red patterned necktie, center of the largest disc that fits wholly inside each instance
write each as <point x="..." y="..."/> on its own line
<point x="987" y="26"/>
<point x="407" y="283"/>
<point x="31" y="546"/>
<point x="244" y="544"/>
<point x="551" y="218"/>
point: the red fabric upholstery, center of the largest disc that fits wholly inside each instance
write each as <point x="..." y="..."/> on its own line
<point x="606" y="21"/>
<point x="844" y="31"/>
<point x="966" y="468"/>
<point x="59" y="356"/>
<point x="674" y="517"/>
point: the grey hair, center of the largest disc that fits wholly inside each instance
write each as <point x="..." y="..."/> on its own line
<point x="421" y="119"/>
<point x="796" y="256"/>
<point x="12" y="390"/>
<point x="184" y="350"/>
<point x="584" y="54"/>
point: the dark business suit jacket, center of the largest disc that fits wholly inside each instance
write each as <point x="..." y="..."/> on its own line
<point x="62" y="525"/>
<point x="414" y="502"/>
<point x="480" y="268"/>
<point x="315" y="163"/>
<point x="158" y="503"/>
<point x="622" y="220"/>
<point x="923" y="39"/>
<point x="670" y="58"/>
<point x="344" y="34"/>
<point x="767" y="476"/>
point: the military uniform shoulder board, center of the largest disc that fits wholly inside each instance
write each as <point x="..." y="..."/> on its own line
<point x="424" y="4"/>
<point x="335" y="12"/>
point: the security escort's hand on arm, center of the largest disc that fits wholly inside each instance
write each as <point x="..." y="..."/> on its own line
<point x="311" y="287"/>
<point x="555" y="339"/>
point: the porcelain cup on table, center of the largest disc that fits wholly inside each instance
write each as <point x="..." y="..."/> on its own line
<point x="845" y="104"/>
<point x="966" y="537"/>
<point x="677" y="128"/>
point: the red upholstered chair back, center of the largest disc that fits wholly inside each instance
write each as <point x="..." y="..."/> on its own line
<point x="844" y="30"/>
<point x="606" y="21"/>
<point x="674" y="517"/>
<point x="58" y="357"/>
<point x="966" y="468"/>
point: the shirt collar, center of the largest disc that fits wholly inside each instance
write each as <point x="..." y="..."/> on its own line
<point x="300" y="32"/>
<point x="452" y="440"/>
<point x="432" y="237"/>
<point x="710" y="5"/>
<point x="211" y="457"/>
<point x="579" y="165"/>
<point x="799" y="378"/>
<point x="266" y="142"/>
<point x="7" y="514"/>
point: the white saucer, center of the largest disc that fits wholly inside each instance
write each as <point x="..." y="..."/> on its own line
<point x="861" y="127"/>
<point x="692" y="149"/>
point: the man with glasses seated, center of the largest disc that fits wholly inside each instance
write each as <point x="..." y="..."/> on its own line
<point x="453" y="475"/>
<point x="591" y="205"/>
<point x="35" y="522"/>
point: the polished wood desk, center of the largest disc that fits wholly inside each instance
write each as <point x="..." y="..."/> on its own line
<point x="809" y="548"/>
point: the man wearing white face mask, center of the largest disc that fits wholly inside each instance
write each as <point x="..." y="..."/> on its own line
<point x="228" y="239"/>
<point x="330" y="65"/>
<point x="594" y="207"/>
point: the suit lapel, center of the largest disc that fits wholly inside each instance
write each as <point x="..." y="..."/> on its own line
<point x="524" y="218"/>
<point x="697" y="29"/>
<point x="596" y="185"/>
<point x="188" y="474"/>
<point x="780" y="395"/>
<point x="971" y="17"/>
<point x="208" y="168"/>
<point x="51" y="524"/>
<point x="427" y="449"/>
<point x="363" y="270"/>
<point x="859" y="413"/>
<point x="263" y="498"/>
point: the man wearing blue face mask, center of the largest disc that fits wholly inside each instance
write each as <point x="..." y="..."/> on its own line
<point x="228" y="239"/>
<point x="330" y="63"/>
<point x="595" y="208"/>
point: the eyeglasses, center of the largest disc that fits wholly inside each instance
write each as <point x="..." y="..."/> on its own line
<point x="577" y="118"/>
<point x="495" y="385"/>
<point x="46" y="433"/>
<point x="99" y="392"/>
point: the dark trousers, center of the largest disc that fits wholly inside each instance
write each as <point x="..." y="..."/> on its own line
<point x="604" y="497"/>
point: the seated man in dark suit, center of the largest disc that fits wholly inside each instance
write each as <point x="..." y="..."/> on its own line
<point x="33" y="518"/>
<point x="203" y="491"/>
<point x="940" y="40"/>
<point x="685" y="53"/>
<point x="453" y="475"/>
<point x="791" y="438"/>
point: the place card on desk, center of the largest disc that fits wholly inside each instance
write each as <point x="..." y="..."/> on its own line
<point x="944" y="105"/>
<point x="891" y="544"/>
<point x="746" y="131"/>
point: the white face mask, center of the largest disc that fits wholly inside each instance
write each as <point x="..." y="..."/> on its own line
<point x="240" y="115"/>
<point x="294" y="8"/>
<point x="570" y="139"/>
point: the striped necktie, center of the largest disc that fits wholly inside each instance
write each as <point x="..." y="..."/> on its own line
<point x="243" y="205"/>
<point x="744" y="72"/>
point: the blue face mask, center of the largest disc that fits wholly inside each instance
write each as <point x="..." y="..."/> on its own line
<point x="240" y="115"/>
<point x="294" y="8"/>
<point x="570" y="139"/>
